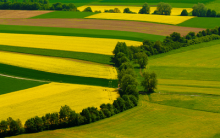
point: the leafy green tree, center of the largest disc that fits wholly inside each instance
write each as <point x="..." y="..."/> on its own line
<point x="125" y="66"/>
<point x="127" y="80"/>
<point x="101" y="114"/>
<point x="3" y="128"/>
<point x="133" y="99"/>
<point x="213" y="13"/>
<point x="54" y="120"/>
<point x="184" y="13"/>
<point x="158" y="46"/>
<point x="87" y="115"/>
<point x="150" y="82"/>
<point x="38" y="123"/>
<point x="145" y="9"/>
<point x="30" y="126"/>
<point x="127" y="71"/>
<point x="121" y="103"/>
<point x="87" y="9"/>
<point x="121" y="47"/>
<point x="199" y="10"/>
<point x="128" y="103"/>
<point x="127" y="10"/>
<point x="142" y="59"/>
<point x="164" y="8"/>
<point x="72" y="7"/>
<point x="120" y="59"/>
<point x="58" y="6"/>
<point x="209" y="12"/>
<point x="72" y="118"/>
<point x="116" y="10"/>
<point x="79" y="119"/>
<point x="64" y="114"/>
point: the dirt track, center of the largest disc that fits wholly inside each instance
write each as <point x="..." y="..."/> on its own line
<point x="131" y="26"/>
<point x="20" y="13"/>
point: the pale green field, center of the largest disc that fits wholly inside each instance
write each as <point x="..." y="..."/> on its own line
<point x="193" y="69"/>
<point x="147" y="120"/>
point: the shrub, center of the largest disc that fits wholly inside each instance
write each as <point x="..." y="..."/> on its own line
<point x="88" y="9"/>
<point x="218" y="15"/>
<point x="145" y="9"/>
<point x="184" y="13"/>
<point x="164" y="8"/>
<point x="213" y="14"/>
<point x="150" y="82"/>
<point x="208" y="13"/>
<point x="156" y="12"/>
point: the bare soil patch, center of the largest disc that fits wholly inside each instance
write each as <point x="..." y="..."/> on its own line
<point x="131" y="26"/>
<point x="20" y="13"/>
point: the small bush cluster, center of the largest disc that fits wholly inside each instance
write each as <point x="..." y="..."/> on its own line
<point x="115" y="10"/>
<point x="164" y="8"/>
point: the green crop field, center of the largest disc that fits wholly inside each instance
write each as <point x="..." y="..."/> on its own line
<point x="156" y="1"/>
<point x="201" y="22"/>
<point x="146" y="120"/>
<point x="98" y="58"/>
<point x="193" y="69"/>
<point x="79" y="32"/>
<point x="47" y="76"/>
<point x="18" y="84"/>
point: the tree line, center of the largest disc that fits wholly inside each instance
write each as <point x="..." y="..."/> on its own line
<point x="36" y="5"/>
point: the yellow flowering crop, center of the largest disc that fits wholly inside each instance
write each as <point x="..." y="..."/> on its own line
<point x="142" y="17"/>
<point x="68" y="43"/>
<point x="48" y="98"/>
<point x="59" y="65"/>
<point x="175" y="11"/>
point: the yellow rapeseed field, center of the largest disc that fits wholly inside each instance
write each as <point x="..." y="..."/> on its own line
<point x="142" y="17"/>
<point x="48" y="98"/>
<point x="68" y="43"/>
<point x="59" y="65"/>
<point x="175" y="11"/>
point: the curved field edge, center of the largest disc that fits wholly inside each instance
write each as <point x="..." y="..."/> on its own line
<point x="18" y="84"/>
<point x="94" y="33"/>
<point x="53" y="77"/>
<point x="97" y="58"/>
<point x="145" y="120"/>
<point x="48" y="98"/>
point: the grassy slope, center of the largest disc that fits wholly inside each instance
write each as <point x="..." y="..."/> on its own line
<point x="18" y="84"/>
<point x="198" y="63"/>
<point x="214" y="5"/>
<point x="201" y="22"/>
<point x="47" y="76"/>
<point x="79" y="32"/>
<point x="146" y="120"/>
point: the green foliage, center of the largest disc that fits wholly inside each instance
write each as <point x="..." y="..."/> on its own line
<point x="3" y="128"/>
<point x="141" y="58"/>
<point x="127" y="10"/>
<point x="128" y="103"/>
<point x="64" y="113"/>
<point x="125" y="66"/>
<point x="123" y="72"/>
<point x="184" y="13"/>
<point x="127" y="81"/>
<point x="164" y="8"/>
<point x="145" y="9"/>
<point x="88" y="117"/>
<point x="121" y="105"/>
<point x="88" y="9"/>
<point x="199" y="10"/>
<point x="120" y="59"/>
<point x="150" y="82"/>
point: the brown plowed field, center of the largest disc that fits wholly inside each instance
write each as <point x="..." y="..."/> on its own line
<point x="131" y="26"/>
<point x="20" y="13"/>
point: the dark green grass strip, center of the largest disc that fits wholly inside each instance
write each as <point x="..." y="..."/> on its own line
<point x="79" y="32"/>
<point x="11" y="84"/>
<point x="98" y="58"/>
<point x="47" y="76"/>
<point x="64" y="14"/>
<point x="201" y="22"/>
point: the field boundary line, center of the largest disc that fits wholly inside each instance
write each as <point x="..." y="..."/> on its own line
<point x="9" y="76"/>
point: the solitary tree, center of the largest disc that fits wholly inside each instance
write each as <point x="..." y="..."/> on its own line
<point x="88" y="9"/>
<point x="150" y="82"/>
<point x="184" y="13"/>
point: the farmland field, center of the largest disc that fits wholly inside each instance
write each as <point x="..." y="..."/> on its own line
<point x="193" y="69"/>
<point x="48" y="98"/>
<point x="147" y="120"/>
<point x="59" y="65"/>
<point x="81" y="44"/>
<point x="201" y="22"/>
<point x="142" y="17"/>
<point x="18" y="84"/>
<point x="175" y="11"/>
